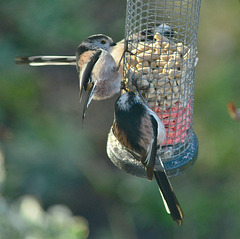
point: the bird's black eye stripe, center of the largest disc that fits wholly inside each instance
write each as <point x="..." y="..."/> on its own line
<point x="103" y="42"/>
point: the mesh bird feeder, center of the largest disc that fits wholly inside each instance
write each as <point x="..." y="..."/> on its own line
<point x="162" y="37"/>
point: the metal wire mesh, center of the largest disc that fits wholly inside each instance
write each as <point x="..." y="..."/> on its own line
<point x="162" y="37"/>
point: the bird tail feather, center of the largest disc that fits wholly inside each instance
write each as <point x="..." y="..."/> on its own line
<point x="169" y="198"/>
<point x="46" y="60"/>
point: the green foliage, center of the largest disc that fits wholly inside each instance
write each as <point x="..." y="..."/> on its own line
<point x="26" y="219"/>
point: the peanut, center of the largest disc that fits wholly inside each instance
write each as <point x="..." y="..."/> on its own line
<point x="162" y="69"/>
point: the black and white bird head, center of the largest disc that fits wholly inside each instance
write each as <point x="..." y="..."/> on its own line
<point x="126" y="101"/>
<point x="98" y="41"/>
<point x="163" y="29"/>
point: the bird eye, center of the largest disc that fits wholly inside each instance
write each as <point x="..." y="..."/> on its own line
<point x="103" y="42"/>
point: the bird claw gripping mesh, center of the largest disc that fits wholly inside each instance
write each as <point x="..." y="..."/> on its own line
<point x="161" y="36"/>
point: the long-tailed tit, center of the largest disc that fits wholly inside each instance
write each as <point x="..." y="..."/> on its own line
<point x="141" y="131"/>
<point x="98" y="71"/>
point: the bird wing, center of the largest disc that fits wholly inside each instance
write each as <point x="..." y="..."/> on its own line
<point x="88" y="99"/>
<point x="149" y="158"/>
<point x="85" y="64"/>
<point x="122" y="138"/>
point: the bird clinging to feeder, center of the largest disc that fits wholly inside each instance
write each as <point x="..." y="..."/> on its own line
<point x="141" y="132"/>
<point x="98" y="70"/>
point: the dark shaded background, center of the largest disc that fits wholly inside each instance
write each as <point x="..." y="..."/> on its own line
<point x="49" y="155"/>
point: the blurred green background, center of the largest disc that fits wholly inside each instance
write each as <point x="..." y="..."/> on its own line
<point x="45" y="152"/>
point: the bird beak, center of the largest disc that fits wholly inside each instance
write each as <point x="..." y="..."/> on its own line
<point x="113" y="44"/>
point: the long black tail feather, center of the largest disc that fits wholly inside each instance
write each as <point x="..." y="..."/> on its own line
<point x="169" y="198"/>
<point x="46" y="60"/>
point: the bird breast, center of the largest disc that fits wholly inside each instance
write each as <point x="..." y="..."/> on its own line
<point x="107" y="77"/>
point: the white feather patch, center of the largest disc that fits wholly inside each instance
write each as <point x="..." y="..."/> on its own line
<point x="52" y="63"/>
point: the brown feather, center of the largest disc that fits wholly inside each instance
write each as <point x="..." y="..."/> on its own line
<point x="84" y="57"/>
<point x="120" y="135"/>
<point x="147" y="132"/>
<point x="146" y="143"/>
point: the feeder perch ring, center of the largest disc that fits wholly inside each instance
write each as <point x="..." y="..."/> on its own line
<point x="123" y="159"/>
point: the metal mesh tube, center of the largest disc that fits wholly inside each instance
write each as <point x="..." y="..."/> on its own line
<point x="162" y="38"/>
